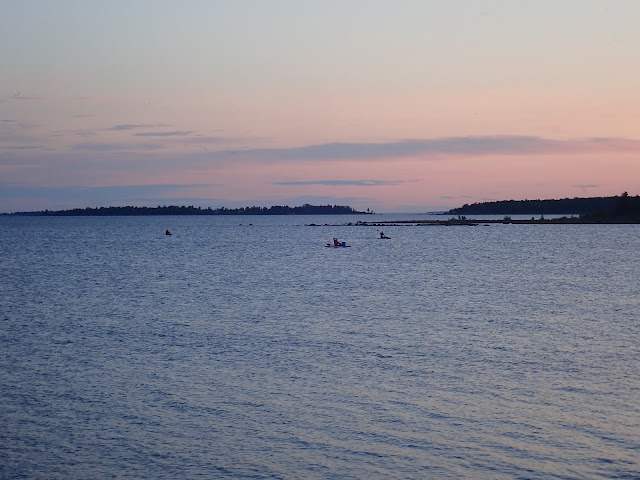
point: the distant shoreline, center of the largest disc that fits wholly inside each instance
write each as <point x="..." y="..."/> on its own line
<point x="475" y="222"/>
<point x="622" y="209"/>
<point x="129" y="211"/>
<point x="621" y="206"/>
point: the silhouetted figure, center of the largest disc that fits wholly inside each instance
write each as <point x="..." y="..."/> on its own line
<point x="168" y="232"/>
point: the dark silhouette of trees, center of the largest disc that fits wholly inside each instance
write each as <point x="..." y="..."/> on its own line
<point x="577" y="206"/>
<point x="623" y="204"/>
<point x="305" y="209"/>
<point x="622" y="208"/>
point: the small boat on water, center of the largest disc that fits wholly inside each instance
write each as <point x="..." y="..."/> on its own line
<point x="342" y="245"/>
<point x="168" y="232"/>
<point x="337" y="244"/>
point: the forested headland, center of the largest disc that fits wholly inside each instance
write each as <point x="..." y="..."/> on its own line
<point x="191" y="210"/>
<point x="622" y="207"/>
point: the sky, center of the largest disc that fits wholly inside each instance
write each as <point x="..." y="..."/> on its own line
<point x="394" y="106"/>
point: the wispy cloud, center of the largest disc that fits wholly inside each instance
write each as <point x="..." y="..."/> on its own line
<point x="19" y="96"/>
<point x="455" y="197"/>
<point x="129" y="126"/>
<point x="471" y="146"/>
<point x="418" y="150"/>
<point x="342" y="183"/>
<point x="9" y="125"/>
<point x="203" y="140"/>
<point x="177" y="133"/>
<point x="23" y="147"/>
<point x="105" y="147"/>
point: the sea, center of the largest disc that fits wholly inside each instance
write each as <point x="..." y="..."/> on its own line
<point x="241" y="347"/>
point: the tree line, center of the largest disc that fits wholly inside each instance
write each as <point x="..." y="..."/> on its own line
<point x="621" y="206"/>
<point x="305" y="209"/>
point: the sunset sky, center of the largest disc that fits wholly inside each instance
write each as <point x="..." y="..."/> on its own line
<point x="396" y="106"/>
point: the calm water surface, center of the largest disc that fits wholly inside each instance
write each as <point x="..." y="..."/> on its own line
<point x="241" y="347"/>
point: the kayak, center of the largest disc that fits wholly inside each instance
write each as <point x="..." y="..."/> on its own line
<point x="343" y="245"/>
<point x="385" y="238"/>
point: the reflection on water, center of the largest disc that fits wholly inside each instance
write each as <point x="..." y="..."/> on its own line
<point x="230" y="350"/>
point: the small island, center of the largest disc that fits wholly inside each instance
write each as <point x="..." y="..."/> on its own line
<point x="619" y="209"/>
<point x="305" y="209"/>
<point x="622" y="209"/>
